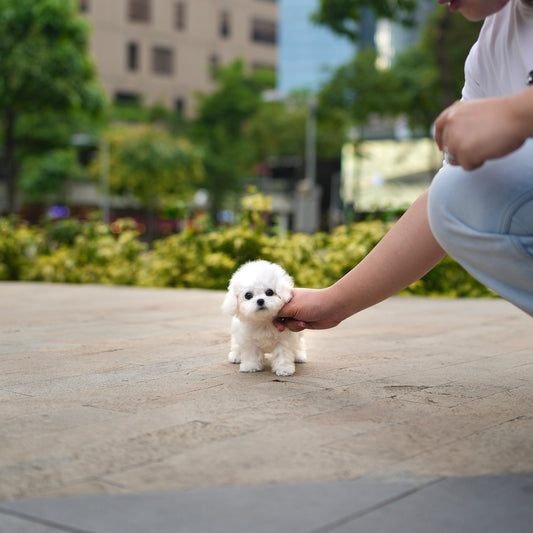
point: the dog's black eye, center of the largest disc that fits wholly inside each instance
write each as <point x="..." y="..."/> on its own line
<point x="248" y="295"/>
<point x="269" y="292"/>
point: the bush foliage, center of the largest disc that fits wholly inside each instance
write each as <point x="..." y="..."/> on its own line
<point x="93" y="252"/>
<point x="70" y="252"/>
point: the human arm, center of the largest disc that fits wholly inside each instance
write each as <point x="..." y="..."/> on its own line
<point x="404" y="255"/>
<point x="474" y="131"/>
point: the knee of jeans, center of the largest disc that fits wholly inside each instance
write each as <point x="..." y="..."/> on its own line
<point x="442" y="207"/>
<point x="520" y="224"/>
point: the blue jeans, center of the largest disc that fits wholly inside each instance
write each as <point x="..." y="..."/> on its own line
<point x="484" y="220"/>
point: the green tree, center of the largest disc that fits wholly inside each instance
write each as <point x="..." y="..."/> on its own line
<point x="220" y="128"/>
<point x="429" y="75"/>
<point x="279" y="129"/>
<point x="361" y="89"/>
<point x="422" y="81"/>
<point x="47" y="159"/>
<point x="344" y="16"/>
<point x="45" y="67"/>
<point x="148" y="163"/>
<point x="446" y="41"/>
<point x="46" y="175"/>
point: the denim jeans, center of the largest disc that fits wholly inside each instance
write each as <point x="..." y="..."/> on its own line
<point x="484" y="220"/>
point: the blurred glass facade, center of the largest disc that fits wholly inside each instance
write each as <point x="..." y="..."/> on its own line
<point x="307" y="53"/>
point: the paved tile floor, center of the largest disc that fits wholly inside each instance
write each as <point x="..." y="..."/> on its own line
<point x="120" y="412"/>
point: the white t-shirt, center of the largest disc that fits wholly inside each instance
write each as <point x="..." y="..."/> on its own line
<point x="499" y="62"/>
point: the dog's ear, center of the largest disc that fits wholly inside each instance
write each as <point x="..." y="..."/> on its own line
<point x="284" y="287"/>
<point x="229" y="305"/>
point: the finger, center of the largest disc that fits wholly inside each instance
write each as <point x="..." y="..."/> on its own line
<point x="440" y="128"/>
<point x="287" y="310"/>
<point x="280" y="324"/>
<point x="438" y="132"/>
<point x="441" y="125"/>
<point x="294" y="325"/>
<point x="471" y="165"/>
<point x="452" y="160"/>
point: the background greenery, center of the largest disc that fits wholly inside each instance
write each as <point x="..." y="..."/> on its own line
<point x="93" y="252"/>
<point x="48" y="89"/>
<point x="49" y="94"/>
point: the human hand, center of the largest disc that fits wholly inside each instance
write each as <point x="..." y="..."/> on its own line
<point x="309" y="309"/>
<point x="471" y="132"/>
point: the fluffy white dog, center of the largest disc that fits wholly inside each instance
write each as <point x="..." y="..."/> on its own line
<point x="256" y="292"/>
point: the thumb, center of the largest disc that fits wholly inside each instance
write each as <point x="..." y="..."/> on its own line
<point x="288" y="310"/>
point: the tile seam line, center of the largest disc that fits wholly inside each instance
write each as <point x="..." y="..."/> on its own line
<point x="359" y="514"/>
<point x="43" y="522"/>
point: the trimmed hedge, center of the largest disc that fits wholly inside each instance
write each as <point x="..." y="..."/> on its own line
<point x="92" y="252"/>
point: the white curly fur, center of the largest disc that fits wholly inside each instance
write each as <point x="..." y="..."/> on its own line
<point x="256" y="293"/>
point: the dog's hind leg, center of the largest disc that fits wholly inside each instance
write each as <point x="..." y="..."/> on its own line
<point x="301" y="355"/>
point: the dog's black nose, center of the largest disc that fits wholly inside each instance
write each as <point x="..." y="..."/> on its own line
<point x="260" y="302"/>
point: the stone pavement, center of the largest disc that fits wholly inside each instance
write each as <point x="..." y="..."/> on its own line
<point x="119" y="412"/>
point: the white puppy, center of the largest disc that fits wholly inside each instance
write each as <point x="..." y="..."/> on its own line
<point x="256" y="292"/>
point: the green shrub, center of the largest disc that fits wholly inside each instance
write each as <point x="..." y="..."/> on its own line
<point x="449" y="279"/>
<point x="92" y="252"/>
<point x="205" y="260"/>
<point x="19" y="245"/>
<point x="61" y="232"/>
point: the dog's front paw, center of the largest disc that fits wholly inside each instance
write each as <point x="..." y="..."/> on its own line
<point x="284" y="370"/>
<point x="234" y="357"/>
<point x="250" y="366"/>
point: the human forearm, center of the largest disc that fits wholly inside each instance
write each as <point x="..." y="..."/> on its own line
<point x="521" y="107"/>
<point x="404" y="255"/>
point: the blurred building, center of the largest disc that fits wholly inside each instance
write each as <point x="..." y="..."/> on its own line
<point x="387" y="174"/>
<point x="308" y="53"/>
<point x="163" y="51"/>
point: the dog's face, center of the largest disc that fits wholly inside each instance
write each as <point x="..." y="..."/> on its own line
<point x="257" y="291"/>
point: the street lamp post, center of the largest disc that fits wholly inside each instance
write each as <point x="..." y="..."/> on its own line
<point x="105" y="202"/>
<point x="310" y="142"/>
<point x="307" y="197"/>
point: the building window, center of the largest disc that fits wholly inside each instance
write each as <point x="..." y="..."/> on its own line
<point x="224" y="24"/>
<point x="127" y="98"/>
<point x="84" y="6"/>
<point x="264" y="31"/>
<point x="163" y="59"/>
<point x="180" y="13"/>
<point x="179" y="106"/>
<point x="139" y="10"/>
<point x="214" y="63"/>
<point x="132" y="56"/>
